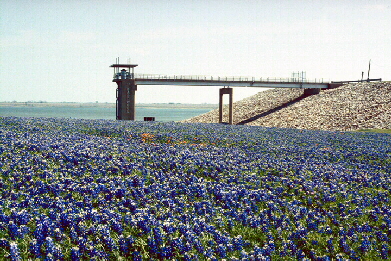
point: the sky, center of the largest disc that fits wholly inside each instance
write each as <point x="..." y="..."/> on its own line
<point x="58" y="51"/>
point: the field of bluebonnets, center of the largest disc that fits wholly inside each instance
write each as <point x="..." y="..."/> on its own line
<point x="112" y="190"/>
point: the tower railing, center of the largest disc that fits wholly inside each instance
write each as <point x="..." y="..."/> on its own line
<point x="119" y="75"/>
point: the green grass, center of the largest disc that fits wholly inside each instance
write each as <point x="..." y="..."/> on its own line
<point x="376" y="130"/>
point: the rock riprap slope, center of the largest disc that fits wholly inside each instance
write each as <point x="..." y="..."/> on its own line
<point x="252" y="106"/>
<point x="349" y="107"/>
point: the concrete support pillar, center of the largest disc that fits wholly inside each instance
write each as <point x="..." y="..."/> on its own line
<point x="231" y="107"/>
<point x="126" y="93"/>
<point x="220" y="107"/>
<point x="228" y="91"/>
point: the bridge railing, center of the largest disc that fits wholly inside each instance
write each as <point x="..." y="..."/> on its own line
<point x="221" y="79"/>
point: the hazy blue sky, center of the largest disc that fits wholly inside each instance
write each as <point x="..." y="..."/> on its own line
<point x="62" y="50"/>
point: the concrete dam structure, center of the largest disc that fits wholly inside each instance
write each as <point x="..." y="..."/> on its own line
<point x="127" y="83"/>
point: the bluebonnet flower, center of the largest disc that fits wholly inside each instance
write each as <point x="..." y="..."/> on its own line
<point x="152" y="244"/>
<point x="21" y="217"/>
<point x="39" y="234"/>
<point x="137" y="256"/>
<point x="4" y="243"/>
<point x="109" y="243"/>
<point x="49" y="257"/>
<point x="157" y="234"/>
<point x="238" y="243"/>
<point x="117" y="227"/>
<point x="80" y="229"/>
<point x="384" y="251"/>
<point x="312" y="255"/>
<point x="75" y="254"/>
<point x="197" y="193"/>
<point x="35" y="248"/>
<point x="49" y="244"/>
<point x="93" y="253"/>
<point x="3" y="217"/>
<point x="382" y="236"/>
<point x="82" y="244"/>
<point x="144" y="226"/>
<point x="123" y="245"/>
<point x="330" y="245"/>
<point x="166" y="252"/>
<point x="243" y="255"/>
<point x="344" y="246"/>
<point x="208" y="252"/>
<point x="169" y="228"/>
<point x="13" y="230"/>
<point x="353" y="255"/>
<point x="73" y="235"/>
<point x="300" y="254"/>
<point x="23" y="230"/>
<point x="58" y="234"/>
<point x="58" y="255"/>
<point x="365" y="244"/>
<point x="14" y="252"/>
<point x="221" y="251"/>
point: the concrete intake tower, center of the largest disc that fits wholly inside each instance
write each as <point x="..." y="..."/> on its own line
<point x="126" y="91"/>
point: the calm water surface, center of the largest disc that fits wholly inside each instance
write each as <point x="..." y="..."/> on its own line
<point x="161" y="113"/>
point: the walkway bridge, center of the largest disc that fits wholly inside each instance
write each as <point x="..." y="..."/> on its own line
<point x="233" y="81"/>
<point x="127" y="82"/>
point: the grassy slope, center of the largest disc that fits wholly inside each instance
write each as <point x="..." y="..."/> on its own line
<point x="377" y="130"/>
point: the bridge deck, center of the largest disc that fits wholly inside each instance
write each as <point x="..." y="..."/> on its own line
<point x="143" y="79"/>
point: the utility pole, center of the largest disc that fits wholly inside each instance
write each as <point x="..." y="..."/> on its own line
<point x="369" y="68"/>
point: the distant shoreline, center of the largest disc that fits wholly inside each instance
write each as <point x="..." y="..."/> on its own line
<point x="104" y="105"/>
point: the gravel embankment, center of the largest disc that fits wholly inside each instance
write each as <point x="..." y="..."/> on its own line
<point x="349" y="107"/>
<point x="252" y="106"/>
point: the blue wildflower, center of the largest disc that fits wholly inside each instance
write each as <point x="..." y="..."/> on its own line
<point x="384" y="251"/>
<point x="75" y="254"/>
<point x="13" y="230"/>
<point x="221" y="251"/>
<point x="50" y="247"/>
<point x="14" y="252"/>
<point x="35" y="248"/>
<point x="330" y="245"/>
<point x="137" y="256"/>
<point x="365" y="244"/>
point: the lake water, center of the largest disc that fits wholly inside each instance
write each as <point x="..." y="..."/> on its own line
<point x="160" y="112"/>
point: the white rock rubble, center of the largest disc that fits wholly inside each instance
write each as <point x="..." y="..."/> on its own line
<point x="349" y="107"/>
